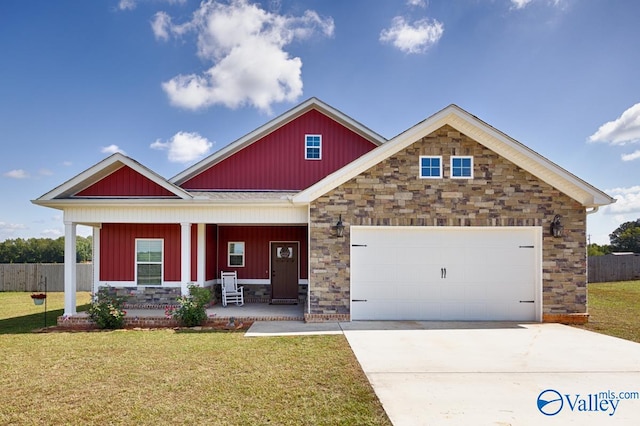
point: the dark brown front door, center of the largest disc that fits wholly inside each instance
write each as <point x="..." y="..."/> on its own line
<point x="284" y="272"/>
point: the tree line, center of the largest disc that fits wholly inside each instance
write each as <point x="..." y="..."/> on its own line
<point x="43" y="250"/>
<point x="626" y="238"/>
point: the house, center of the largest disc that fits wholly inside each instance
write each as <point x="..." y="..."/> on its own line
<point x="449" y="220"/>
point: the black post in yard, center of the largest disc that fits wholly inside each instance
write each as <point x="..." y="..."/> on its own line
<point x="45" y="302"/>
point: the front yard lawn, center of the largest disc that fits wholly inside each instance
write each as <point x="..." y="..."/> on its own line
<point x="614" y="309"/>
<point x="166" y="377"/>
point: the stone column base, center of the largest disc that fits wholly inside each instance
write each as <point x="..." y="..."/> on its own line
<point x="327" y="317"/>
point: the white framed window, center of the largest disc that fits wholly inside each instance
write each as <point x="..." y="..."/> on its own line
<point x="313" y="147"/>
<point x="235" y="252"/>
<point x="431" y="167"/>
<point x="461" y="167"/>
<point x="149" y="256"/>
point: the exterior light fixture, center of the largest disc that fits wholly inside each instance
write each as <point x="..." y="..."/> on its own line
<point x="339" y="228"/>
<point x="556" y="227"/>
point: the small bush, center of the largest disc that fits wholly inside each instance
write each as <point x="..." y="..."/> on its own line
<point x="107" y="310"/>
<point x="191" y="310"/>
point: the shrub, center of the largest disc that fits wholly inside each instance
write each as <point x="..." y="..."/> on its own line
<point x="106" y="309"/>
<point x="191" y="309"/>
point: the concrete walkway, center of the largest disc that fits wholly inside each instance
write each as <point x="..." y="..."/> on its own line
<point x="439" y="373"/>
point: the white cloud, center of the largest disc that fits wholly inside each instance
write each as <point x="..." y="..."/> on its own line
<point x="412" y="38"/>
<point x="417" y="3"/>
<point x="127" y="4"/>
<point x="131" y="4"/>
<point x="51" y="233"/>
<point x="184" y="147"/>
<point x="45" y="172"/>
<point x="624" y="129"/>
<point x="67" y="163"/>
<point x="10" y="227"/>
<point x="17" y="174"/>
<point x="630" y="157"/>
<point x="112" y="149"/>
<point x="627" y="201"/>
<point x="246" y="45"/>
<point x="521" y="4"/>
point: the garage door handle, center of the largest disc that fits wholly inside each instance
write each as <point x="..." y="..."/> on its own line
<point x="358" y="300"/>
<point x="527" y="301"/>
<point x="443" y="272"/>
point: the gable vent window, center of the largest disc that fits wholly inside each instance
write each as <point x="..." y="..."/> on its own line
<point x="313" y="147"/>
<point x="431" y="167"/>
<point x="461" y="167"/>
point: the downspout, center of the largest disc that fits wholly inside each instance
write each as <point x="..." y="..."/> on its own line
<point x="593" y="210"/>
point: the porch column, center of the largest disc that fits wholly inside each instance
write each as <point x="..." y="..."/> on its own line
<point x="69" y="268"/>
<point x="185" y="263"/>
<point x="95" y="259"/>
<point x="202" y="254"/>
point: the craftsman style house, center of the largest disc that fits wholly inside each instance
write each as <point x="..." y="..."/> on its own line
<point x="449" y="220"/>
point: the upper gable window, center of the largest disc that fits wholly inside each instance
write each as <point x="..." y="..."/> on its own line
<point x="431" y="167"/>
<point x="461" y="167"/>
<point x="313" y="147"/>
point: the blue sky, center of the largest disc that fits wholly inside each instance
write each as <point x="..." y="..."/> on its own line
<point x="170" y="81"/>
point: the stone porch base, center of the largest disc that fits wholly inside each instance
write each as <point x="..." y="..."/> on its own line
<point x="82" y="321"/>
<point x="569" y="319"/>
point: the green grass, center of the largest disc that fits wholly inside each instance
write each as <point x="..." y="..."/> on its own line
<point x="614" y="309"/>
<point x="166" y="377"/>
<point x="18" y="314"/>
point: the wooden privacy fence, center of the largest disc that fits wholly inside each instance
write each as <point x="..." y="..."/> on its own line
<point x="30" y="276"/>
<point x="614" y="268"/>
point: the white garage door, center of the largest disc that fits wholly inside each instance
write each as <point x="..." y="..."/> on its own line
<point x="446" y="273"/>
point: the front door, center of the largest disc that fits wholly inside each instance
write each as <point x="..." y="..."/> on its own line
<point x="284" y="272"/>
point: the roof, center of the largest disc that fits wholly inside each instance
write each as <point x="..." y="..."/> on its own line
<point x="271" y="126"/>
<point x="472" y="126"/>
<point x="103" y="169"/>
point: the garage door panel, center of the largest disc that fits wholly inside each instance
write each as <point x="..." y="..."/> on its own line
<point x="445" y="273"/>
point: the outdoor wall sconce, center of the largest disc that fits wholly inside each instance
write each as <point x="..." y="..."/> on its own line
<point x="556" y="227"/>
<point x="339" y="228"/>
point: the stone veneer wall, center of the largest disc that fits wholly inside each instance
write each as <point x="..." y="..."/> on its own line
<point x="500" y="194"/>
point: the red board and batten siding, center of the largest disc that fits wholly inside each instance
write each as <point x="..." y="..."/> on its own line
<point x="277" y="161"/>
<point x="118" y="249"/>
<point x="125" y="182"/>
<point x="257" y="241"/>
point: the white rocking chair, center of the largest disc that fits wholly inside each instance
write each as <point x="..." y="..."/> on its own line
<point x="231" y="293"/>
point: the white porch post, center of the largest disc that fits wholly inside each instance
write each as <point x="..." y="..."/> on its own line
<point x="185" y="264"/>
<point x="202" y="253"/>
<point x="96" y="259"/>
<point x="69" y="268"/>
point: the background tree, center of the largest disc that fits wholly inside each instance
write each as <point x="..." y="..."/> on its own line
<point x="598" y="250"/>
<point x="43" y="250"/>
<point x="626" y="237"/>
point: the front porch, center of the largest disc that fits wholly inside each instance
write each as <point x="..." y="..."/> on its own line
<point x="216" y="314"/>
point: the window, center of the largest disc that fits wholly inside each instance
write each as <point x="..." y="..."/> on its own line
<point x="149" y="262"/>
<point x="462" y="167"/>
<point x="313" y="147"/>
<point x="431" y="167"/>
<point x="236" y="254"/>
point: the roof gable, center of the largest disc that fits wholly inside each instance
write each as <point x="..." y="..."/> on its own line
<point x="107" y="179"/>
<point x="484" y="134"/>
<point x="191" y="174"/>
<point x="125" y="182"/>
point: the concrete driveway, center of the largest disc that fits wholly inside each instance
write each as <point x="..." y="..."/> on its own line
<point x="431" y="373"/>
